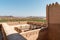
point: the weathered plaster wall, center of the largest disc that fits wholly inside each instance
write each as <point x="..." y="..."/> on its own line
<point x="35" y="34"/>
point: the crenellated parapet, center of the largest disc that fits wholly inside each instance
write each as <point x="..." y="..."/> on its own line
<point x="52" y="8"/>
<point x="54" y="4"/>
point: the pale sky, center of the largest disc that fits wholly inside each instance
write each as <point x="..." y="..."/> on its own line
<point x="24" y="7"/>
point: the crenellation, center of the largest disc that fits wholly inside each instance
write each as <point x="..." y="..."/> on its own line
<point x="56" y="3"/>
<point x="50" y="5"/>
<point x="47" y="5"/>
<point x="53" y="4"/>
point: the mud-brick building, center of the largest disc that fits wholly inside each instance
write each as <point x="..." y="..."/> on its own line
<point x="53" y="19"/>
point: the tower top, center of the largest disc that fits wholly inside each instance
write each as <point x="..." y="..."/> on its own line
<point x="56" y="3"/>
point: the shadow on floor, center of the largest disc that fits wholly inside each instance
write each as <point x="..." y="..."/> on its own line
<point x="15" y="36"/>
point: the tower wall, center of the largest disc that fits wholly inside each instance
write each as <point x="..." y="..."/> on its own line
<point x="53" y="19"/>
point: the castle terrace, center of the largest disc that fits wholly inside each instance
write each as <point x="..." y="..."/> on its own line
<point x="9" y="32"/>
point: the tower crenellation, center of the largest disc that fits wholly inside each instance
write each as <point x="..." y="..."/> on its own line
<point x="54" y="4"/>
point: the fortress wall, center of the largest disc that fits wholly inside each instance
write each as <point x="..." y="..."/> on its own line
<point x="35" y="35"/>
<point x="17" y="23"/>
<point x="53" y="19"/>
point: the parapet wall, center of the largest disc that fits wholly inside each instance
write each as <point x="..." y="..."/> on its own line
<point x="25" y="22"/>
<point x="35" y="35"/>
<point x="3" y="35"/>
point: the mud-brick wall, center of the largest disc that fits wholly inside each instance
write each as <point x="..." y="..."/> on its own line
<point x="3" y="33"/>
<point x="35" y="34"/>
<point x="43" y="34"/>
<point x="53" y="19"/>
<point x="54" y="31"/>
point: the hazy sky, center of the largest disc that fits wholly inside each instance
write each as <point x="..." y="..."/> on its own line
<point x="24" y="7"/>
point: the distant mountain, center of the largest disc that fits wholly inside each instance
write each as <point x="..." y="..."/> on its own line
<point x="21" y="17"/>
<point x="13" y="18"/>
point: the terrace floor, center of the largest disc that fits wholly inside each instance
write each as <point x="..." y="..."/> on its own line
<point x="11" y="33"/>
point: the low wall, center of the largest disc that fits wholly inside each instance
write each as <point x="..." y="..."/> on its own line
<point x="35" y="35"/>
<point x="43" y="34"/>
<point x="3" y="33"/>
